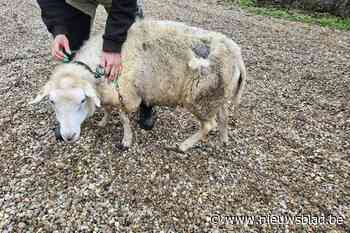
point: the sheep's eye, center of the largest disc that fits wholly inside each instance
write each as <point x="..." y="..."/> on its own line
<point x="51" y="101"/>
<point x="83" y="101"/>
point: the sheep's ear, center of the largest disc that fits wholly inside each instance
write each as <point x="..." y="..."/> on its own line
<point x="91" y="93"/>
<point x="42" y="93"/>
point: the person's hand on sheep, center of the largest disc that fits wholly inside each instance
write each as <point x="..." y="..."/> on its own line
<point x="112" y="63"/>
<point x="59" y="44"/>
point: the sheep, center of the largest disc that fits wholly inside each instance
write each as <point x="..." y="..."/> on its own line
<point x="165" y="63"/>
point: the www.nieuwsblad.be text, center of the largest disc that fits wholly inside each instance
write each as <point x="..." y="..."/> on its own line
<point x="275" y="220"/>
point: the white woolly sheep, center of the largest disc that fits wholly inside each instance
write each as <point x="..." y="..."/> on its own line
<point x="164" y="63"/>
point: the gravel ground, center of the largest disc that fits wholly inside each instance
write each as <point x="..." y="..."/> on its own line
<point x="289" y="150"/>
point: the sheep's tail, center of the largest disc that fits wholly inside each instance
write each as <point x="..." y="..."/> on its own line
<point x="239" y="70"/>
<point x="242" y="79"/>
<point x="213" y="59"/>
<point x="221" y="48"/>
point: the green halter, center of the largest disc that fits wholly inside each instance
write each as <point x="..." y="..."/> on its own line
<point x="99" y="72"/>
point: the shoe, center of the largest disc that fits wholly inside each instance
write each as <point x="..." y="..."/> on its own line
<point x="147" y="117"/>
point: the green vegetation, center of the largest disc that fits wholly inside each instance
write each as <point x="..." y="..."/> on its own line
<point x="324" y="20"/>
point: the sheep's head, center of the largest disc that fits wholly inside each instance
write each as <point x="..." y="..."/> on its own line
<point x="73" y="100"/>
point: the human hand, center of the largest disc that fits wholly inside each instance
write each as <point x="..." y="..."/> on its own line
<point x="60" y="42"/>
<point x="112" y="64"/>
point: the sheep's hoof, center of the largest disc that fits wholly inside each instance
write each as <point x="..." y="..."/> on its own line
<point x="121" y="147"/>
<point x="184" y="146"/>
<point x="205" y="138"/>
<point x="175" y="149"/>
<point x="224" y="141"/>
<point x="102" y="123"/>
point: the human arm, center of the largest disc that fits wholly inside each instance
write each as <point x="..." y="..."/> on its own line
<point x="119" y="20"/>
<point x="55" y="15"/>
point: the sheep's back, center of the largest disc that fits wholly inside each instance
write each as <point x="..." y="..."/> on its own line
<point x="157" y="55"/>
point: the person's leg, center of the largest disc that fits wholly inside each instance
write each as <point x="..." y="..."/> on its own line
<point x="107" y="4"/>
<point x="81" y="22"/>
<point x="78" y="29"/>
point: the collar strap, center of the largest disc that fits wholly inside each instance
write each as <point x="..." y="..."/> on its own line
<point x="68" y="58"/>
<point x="84" y="65"/>
<point x="99" y="73"/>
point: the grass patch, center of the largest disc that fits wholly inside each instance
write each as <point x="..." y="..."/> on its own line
<point x="324" y="20"/>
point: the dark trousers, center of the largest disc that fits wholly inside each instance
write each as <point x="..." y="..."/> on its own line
<point x="78" y="29"/>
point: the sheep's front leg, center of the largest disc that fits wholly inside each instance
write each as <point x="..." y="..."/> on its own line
<point x="127" y="137"/>
<point x="223" y="120"/>
<point x="106" y="112"/>
<point x="202" y="134"/>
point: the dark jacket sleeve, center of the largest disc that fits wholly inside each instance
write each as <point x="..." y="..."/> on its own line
<point x="120" y="19"/>
<point x="56" y="14"/>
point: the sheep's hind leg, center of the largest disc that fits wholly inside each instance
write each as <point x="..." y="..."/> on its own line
<point x="222" y="123"/>
<point x="127" y="137"/>
<point x="202" y="134"/>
